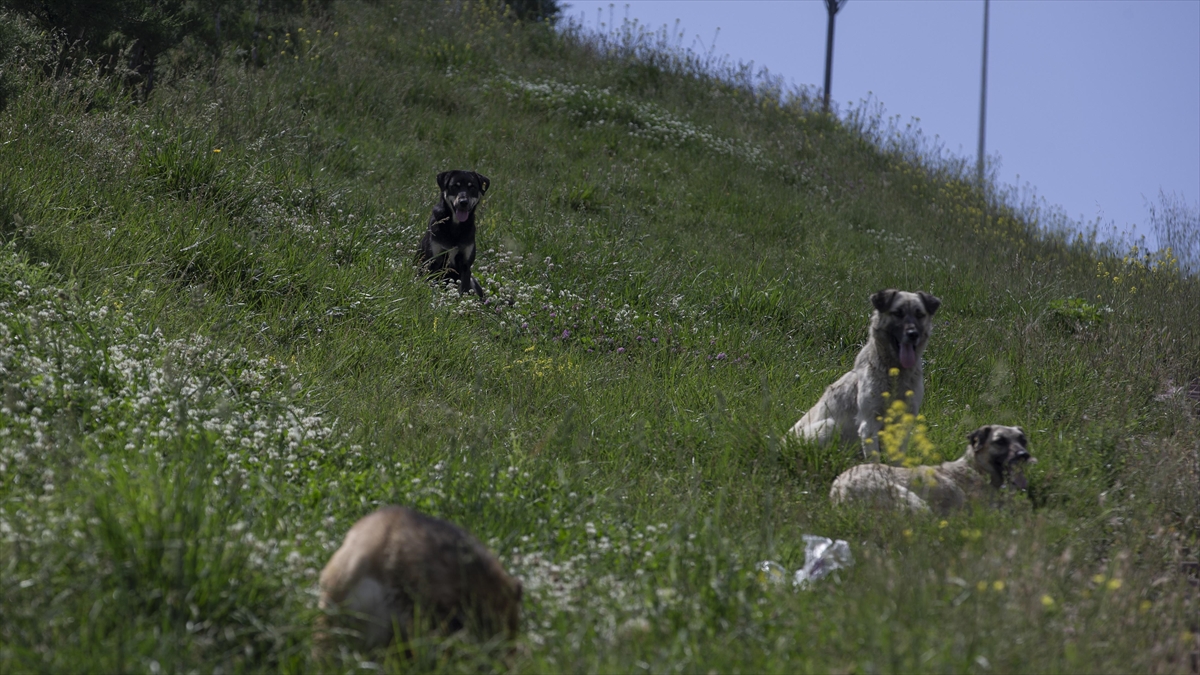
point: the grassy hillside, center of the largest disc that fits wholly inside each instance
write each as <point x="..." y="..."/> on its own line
<point x="216" y="357"/>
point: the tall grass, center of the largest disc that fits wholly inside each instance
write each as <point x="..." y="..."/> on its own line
<point x="217" y="356"/>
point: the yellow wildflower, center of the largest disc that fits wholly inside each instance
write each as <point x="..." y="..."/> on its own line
<point x="904" y="438"/>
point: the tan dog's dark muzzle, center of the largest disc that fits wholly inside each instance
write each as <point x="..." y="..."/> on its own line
<point x="1017" y="460"/>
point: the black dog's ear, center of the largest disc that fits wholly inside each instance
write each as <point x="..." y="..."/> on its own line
<point x="484" y="182"/>
<point x="442" y="180"/>
<point x="882" y="300"/>
<point x="979" y="436"/>
<point x="931" y="303"/>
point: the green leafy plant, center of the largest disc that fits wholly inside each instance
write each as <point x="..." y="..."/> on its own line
<point x="1079" y="313"/>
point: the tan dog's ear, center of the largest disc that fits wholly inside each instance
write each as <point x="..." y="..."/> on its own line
<point x="980" y="436"/>
<point x="931" y="303"/>
<point x="882" y="300"/>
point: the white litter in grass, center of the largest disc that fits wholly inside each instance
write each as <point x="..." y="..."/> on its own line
<point x="822" y="556"/>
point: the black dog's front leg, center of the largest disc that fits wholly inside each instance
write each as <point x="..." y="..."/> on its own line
<point x="466" y="282"/>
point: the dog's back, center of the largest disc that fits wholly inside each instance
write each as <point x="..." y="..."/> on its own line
<point x="884" y="485"/>
<point x="396" y="561"/>
<point x="833" y="418"/>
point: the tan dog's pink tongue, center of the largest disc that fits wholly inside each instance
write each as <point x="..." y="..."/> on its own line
<point x="908" y="356"/>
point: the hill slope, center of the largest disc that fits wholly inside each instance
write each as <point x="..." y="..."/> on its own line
<point x="217" y="357"/>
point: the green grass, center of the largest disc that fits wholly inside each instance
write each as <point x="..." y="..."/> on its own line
<point x="215" y="362"/>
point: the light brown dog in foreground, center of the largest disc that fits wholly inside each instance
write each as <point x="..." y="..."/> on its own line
<point x="995" y="458"/>
<point x="397" y="567"/>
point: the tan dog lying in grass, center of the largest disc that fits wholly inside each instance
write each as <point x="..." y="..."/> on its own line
<point x="995" y="458"/>
<point x="397" y="564"/>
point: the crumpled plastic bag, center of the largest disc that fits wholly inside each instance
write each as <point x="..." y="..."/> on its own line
<point x="822" y="555"/>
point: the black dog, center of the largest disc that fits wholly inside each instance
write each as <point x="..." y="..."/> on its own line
<point x="448" y="247"/>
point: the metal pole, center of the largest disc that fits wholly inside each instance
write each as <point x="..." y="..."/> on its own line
<point x="832" y="8"/>
<point x="983" y="97"/>
<point x="828" y="59"/>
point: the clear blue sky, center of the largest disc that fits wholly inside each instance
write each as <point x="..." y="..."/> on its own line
<point x="1096" y="104"/>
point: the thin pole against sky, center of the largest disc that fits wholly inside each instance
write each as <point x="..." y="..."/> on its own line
<point x="982" y="97"/>
<point x="831" y="6"/>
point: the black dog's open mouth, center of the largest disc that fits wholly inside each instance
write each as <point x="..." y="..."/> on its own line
<point x="461" y="215"/>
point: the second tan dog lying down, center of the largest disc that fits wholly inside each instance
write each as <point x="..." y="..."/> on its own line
<point x="396" y="562"/>
<point x="995" y="457"/>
